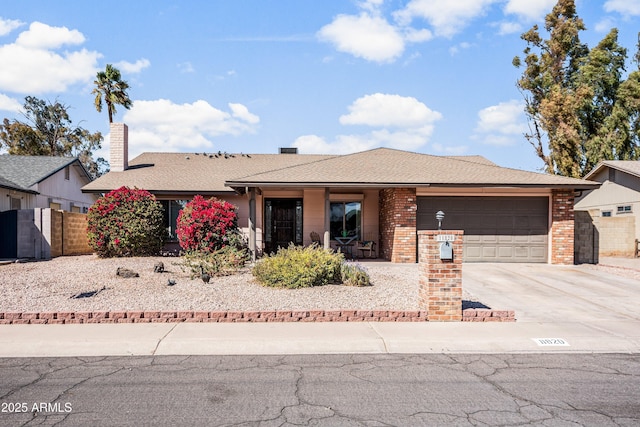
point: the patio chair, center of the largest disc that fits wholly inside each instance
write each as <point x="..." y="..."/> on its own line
<point x="368" y="246"/>
<point x="315" y="238"/>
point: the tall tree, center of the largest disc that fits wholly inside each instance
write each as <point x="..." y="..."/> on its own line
<point x="48" y="131"/>
<point x="111" y="88"/>
<point x="581" y="109"/>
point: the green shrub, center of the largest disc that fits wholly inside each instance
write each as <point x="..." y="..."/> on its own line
<point x="299" y="267"/>
<point x="222" y="262"/>
<point x="126" y="222"/>
<point x="354" y="275"/>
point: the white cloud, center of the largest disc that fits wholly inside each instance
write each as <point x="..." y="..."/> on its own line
<point x="133" y="68"/>
<point x="505" y="28"/>
<point x="343" y="144"/>
<point x="162" y="125"/>
<point x="9" y="104"/>
<point x="623" y="7"/>
<point x="241" y="112"/>
<point x="364" y="36"/>
<point x="417" y="36"/>
<point x="186" y="67"/>
<point x="454" y="50"/>
<point x="401" y="122"/>
<point x="530" y="10"/>
<point x="501" y="124"/>
<point x="8" y="25"/>
<point x="33" y="51"/>
<point x="383" y="110"/>
<point x="605" y="24"/>
<point x="447" y="17"/>
<point x="450" y="150"/>
<point x="43" y="36"/>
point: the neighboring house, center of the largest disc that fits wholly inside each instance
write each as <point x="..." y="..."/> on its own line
<point x="382" y="195"/>
<point x="608" y="218"/>
<point x="28" y="182"/>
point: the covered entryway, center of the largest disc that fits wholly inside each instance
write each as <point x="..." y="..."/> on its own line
<point x="496" y="229"/>
<point x="283" y="223"/>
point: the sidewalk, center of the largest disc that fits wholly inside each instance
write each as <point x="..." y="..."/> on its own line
<point x="314" y="338"/>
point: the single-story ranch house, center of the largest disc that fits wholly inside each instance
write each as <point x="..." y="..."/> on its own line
<point x="381" y="195"/>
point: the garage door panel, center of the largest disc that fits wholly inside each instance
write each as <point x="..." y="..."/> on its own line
<point x="489" y="251"/>
<point x="497" y="229"/>
<point x="505" y="252"/>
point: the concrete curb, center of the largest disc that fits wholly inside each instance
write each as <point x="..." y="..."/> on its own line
<point x="72" y="317"/>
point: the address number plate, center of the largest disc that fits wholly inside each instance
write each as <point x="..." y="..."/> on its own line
<point x="445" y="238"/>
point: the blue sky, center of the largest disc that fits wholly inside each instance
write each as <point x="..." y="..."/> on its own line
<point x="327" y="76"/>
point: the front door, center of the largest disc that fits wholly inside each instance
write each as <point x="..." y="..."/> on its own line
<point x="283" y="223"/>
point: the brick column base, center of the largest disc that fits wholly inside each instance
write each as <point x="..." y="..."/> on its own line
<point x="440" y="292"/>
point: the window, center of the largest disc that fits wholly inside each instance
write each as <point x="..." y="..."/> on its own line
<point x="346" y="219"/>
<point x="66" y="173"/>
<point x="15" y="203"/>
<point x="624" y="209"/>
<point x="606" y="213"/>
<point x="171" y="210"/>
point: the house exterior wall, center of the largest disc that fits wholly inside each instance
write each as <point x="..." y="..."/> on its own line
<point x="313" y="213"/>
<point x="66" y="192"/>
<point x="398" y="238"/>
<point x="27" y="200"/>
<point x="562" y="227"/>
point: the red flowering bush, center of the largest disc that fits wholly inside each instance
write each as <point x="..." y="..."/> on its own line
<point x="126" y="222"/>
<point x="204" y="224"/>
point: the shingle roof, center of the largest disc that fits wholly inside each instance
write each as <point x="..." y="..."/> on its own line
<point x="629" y="166"/>
<point x="5" y="183"/>
<point x="385" y="167"/>
<point x="189" y="172"/>
<point x="30" y="170"/>
<point x="206" y="173"/>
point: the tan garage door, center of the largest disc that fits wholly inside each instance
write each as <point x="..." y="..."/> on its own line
<point x="496" y="229"/>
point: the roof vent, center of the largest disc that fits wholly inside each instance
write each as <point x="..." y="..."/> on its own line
<point x="288" y="150"/>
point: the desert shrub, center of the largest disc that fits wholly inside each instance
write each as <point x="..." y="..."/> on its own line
<point x="354" y="275"/>
<point x="126" y="222"/>
<point x="299" y="267"/>
<point x="221" y="262"/>
<point x="203" y="224"/>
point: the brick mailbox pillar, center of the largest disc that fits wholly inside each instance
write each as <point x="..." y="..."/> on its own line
<point x="440" y="292"/>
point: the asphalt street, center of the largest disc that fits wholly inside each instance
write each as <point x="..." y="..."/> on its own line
<point x="325" y="390"/>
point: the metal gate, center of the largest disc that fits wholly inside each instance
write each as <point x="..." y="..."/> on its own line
<point x="9" y="234"/>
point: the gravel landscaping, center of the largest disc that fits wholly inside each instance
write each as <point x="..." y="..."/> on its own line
<point x="89" y="283"/>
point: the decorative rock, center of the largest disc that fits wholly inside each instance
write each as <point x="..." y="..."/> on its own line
<point x="126" y="273"/>
<point x="171" y="282"/>
<point x="159" y="267"/>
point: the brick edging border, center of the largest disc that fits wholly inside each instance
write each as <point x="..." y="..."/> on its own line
<point x="76" y="317"/>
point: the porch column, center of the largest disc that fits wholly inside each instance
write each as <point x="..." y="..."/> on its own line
<point x="252" y="223"/>
<point x="327" y="217"/>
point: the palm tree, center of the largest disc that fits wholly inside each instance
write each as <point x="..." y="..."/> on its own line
<point x="109" y="84"/>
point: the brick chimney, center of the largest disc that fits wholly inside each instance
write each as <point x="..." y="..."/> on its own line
<point x="119" y="147"/>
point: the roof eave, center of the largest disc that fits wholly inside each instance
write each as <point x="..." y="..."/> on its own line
<point x="244" y="184"/>
<point x="22" y="190"/>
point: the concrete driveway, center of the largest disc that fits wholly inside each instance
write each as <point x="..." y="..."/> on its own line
<point x="554" y="294"/>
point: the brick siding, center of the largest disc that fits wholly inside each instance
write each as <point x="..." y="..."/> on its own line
<point x="398" y="241"/>
<point x="562" y="227"/>
<point x="440" y="291"/>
